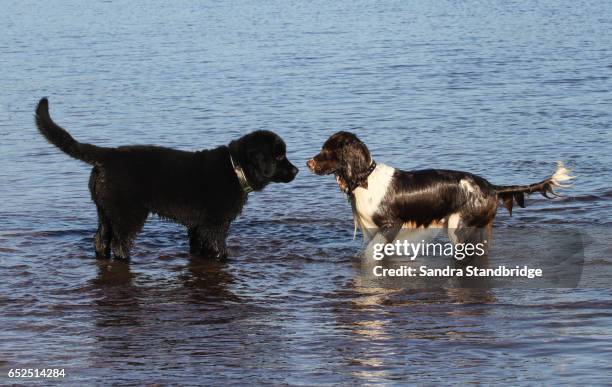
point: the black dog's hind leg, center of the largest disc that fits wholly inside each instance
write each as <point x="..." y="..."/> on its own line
<point x="126" y="222"/>
<point x="194" y="240"/>
<point x="102" y="239"/>
<point x="208" y="241"/>
<point x="119" y="219"/>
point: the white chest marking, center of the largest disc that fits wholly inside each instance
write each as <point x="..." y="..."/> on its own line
<point x="367" y="201"/>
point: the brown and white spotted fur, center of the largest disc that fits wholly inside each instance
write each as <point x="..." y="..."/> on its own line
<point x="385" y="199"/>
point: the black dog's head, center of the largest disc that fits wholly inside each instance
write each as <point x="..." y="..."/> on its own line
<point x="262" y="156"/>
<point x="346" y="156"/>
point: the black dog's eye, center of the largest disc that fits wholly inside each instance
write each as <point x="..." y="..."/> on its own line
<point x="280" y="157"/>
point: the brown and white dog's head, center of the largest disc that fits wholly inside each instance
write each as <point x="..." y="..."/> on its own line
<point x="344" y="155"/>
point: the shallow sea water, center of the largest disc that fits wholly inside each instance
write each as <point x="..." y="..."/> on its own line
<point x="501" y="89"/>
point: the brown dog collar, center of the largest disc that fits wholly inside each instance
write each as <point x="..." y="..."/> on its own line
<point x="244" y="183"/>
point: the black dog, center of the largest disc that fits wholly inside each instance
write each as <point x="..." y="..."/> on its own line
<point x="203" y="190"/>
<point x="386" y="199"/>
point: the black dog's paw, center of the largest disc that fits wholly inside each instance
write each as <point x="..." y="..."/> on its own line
<point x="208" y="254"/>
<point x="208" y="251"/>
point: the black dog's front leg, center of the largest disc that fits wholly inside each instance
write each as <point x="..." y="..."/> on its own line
<point x="208" y="241"/>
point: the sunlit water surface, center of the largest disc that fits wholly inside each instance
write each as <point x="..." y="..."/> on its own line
<point x="500" y="89"/>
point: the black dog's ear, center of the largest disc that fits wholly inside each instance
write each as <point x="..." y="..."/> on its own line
<point x="263" y="166"/>
<point x="355" y="160"/>
<point x="253" y="154"/>
<point x="279" y="149"/>
<point x="256" y="159"/>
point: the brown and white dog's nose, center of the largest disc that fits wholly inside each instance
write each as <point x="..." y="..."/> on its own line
<point x="311" y="164"/>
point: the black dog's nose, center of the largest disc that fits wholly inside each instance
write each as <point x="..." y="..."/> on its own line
<point x="295" y="171"/>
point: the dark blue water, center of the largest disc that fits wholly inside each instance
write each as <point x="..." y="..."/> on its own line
<point x="501" y="89"/>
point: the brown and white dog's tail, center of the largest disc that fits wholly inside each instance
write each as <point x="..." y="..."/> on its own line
<point x="511" y="193"/>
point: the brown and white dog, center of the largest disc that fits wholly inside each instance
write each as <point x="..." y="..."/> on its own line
<point x="385" y="199"/>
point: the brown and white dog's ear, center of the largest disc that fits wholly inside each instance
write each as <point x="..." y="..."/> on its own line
<point x="342" y="184"/>
<point x="355" y="161"/>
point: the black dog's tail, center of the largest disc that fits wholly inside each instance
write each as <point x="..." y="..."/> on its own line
<point x="510" y="193"/>
<point x="62" y="139"/>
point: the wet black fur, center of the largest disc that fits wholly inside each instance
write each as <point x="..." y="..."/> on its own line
<point x="419" y="197"/>
<point x="198" y="189"/>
